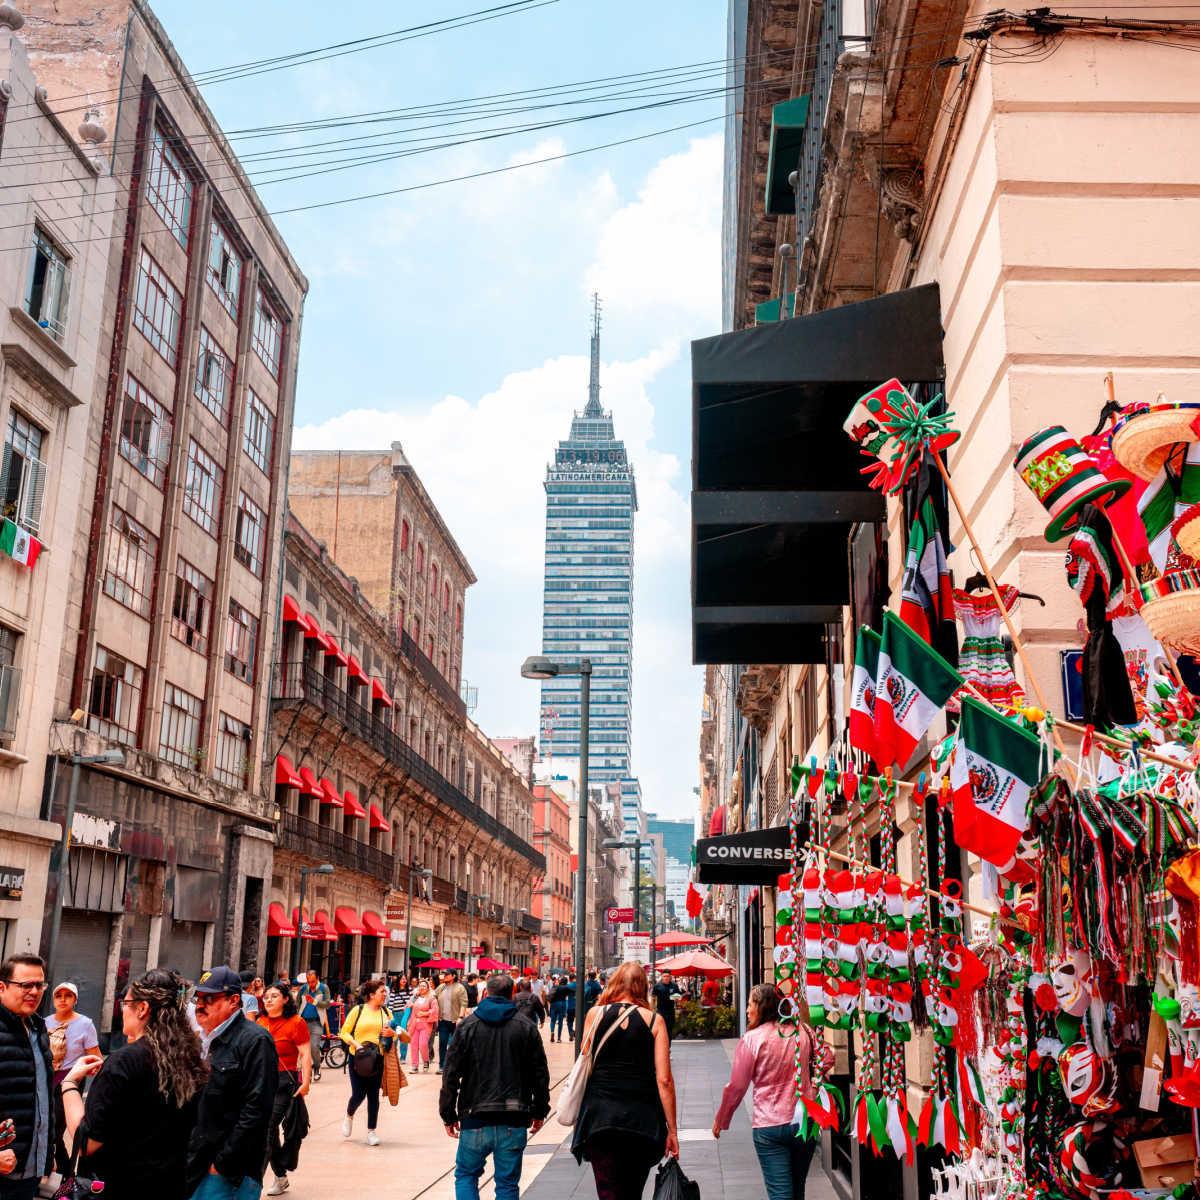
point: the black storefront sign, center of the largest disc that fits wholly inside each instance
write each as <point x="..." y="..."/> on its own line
<point x="12" y="882"/>
<point x="759" y="856"/>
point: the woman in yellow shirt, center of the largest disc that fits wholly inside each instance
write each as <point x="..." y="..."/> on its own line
<point x="368" y="1023"/>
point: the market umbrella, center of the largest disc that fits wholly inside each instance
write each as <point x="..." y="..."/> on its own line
<point x="490" y="964"/>
<point x="677" y="937"/>
<point x="443" y="964"/>
<point x="694" y="962"/>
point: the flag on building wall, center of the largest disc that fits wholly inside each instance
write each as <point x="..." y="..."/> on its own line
<point x="862" y="691"/>
<point x="912" y="686"/>
<point x="927" y="598"/>
<point x="19" y="544"/>
<point x="996" y="765"/>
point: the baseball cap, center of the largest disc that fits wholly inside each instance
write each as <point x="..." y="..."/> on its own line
<point x="219" y="981"/>
<point x="69" y="986"/>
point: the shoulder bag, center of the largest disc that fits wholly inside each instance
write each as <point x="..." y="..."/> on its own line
<point x="368" y="1058"/>
<point x="570" y="1099"/>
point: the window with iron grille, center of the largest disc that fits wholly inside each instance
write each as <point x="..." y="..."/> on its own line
<point x="169" y="187"/>
<point x="232" y="766"/>
<point x="157" y="305"/>
<point x="182" y="715"/>
<point x="213" y="375"/>
<point x="202" y="493"/>
<point x="224" y="272"/>
<point x="250" y="534"/>
<point x="191" y="609"/>
<point x="145" y="432"/>
<point x="260" y="428"/>
<point x="49" y="285"/>
<point x="22" y="472"/>
<point x="241" y="638"/>
<point x="115" y="697"/>
<point x="129" y="568"/>
<point x="10" y="683"/>
<point x="268" y="334"/>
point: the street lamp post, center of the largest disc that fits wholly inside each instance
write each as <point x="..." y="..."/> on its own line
<point x="540" y="667"/>
<point x="636" y="846"/>
<point x="471" y="901"/>
<point x="425" y="874"/>
<point x="58" y="867"/>
<point x="305" y="872"/>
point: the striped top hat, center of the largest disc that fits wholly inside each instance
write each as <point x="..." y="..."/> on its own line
<point x="1064" y="477"/>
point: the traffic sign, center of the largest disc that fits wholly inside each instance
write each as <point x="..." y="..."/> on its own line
<point x="619" y="916"/>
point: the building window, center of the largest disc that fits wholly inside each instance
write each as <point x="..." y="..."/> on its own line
<point x="433" y="574"/>
<point x="241" y="638"/>
<point x="403" y="535"/>
<point x="10" y="683"/>
<point x="445" y="664"/>
<point x="260" y="429"/>
<point x="49" y="285"/>
<point x="115" y="697"/>
<point x="429" y="650"/>
<point x="250" y="534"/>
<point x="191" y="610"/>
<point x="22" y="472"/>
<point x="417" y="631"/>
<point x="268" y="334"/>
<point x="181" y="718"/>
<point x="203" y="489"/>
<point x="458" y="617"/>
<point x="213" y="375"/>
<point x="156" y="308"/>
<point x="420" y="558"/>
<point x="129" y="572"/>
<point x="233" y="752"/>
<point x="145" y="432"/>
<point x="169" y="187"/>
<point x="224" y="269"/>
<point x="445" y="598"/>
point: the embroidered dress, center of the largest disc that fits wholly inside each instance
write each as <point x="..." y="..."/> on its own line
<point x="981" y="660"/>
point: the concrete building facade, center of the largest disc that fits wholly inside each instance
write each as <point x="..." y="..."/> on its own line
<point x="552" y="901"/>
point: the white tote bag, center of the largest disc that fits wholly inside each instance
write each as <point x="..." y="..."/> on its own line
<point x="570" y="1099"/>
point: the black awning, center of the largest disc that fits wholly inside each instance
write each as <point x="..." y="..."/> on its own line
<point x="777" y="483"/>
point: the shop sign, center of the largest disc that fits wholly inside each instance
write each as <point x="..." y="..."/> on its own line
<point x="87" y="830"/>
<point x="619" y="916"/>
<point x="637" y="947"/>
<point x="422" y="937"/>
<point x="396" y="935"/>
<point x="757" y="856"/>
<point x="394" y="908"/>
<point x="12" y="881"/>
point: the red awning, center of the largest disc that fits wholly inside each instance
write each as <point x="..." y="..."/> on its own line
<point x="351" y="805"/>
<point x="291" y="610"/>
<point x="376" y="819"/>
<point x="329" y="794"/>
<point x="373" y="926"/>
<point x="308" y="782"/>
<point x="317" y="929"/>
<point x="312" y="630"/>
<point x="345" y="920"/>
<point x="286" y="773"/>
<point x="356" y="673"/>
<point x="333" y="650"/>
<point x="379" y="692"/>
<point x="277" y="923"/>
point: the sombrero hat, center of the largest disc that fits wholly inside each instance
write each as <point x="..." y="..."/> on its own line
<point x="1144" y="435"/>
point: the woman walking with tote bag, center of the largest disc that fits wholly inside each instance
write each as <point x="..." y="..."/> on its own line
<point x="367" y="1031"/>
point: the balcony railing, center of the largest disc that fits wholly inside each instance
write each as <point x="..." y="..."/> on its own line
<point x="332" y="845"/>
<point x="432" y="675"/>
<point x="530" y="923"/>
<point x="297" y="682"/>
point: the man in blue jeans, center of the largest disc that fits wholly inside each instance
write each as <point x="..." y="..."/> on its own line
<point x="558" y="1008"/>
<point x="495" y="1091"/>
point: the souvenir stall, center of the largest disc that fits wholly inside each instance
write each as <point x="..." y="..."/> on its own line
<point x="1055" y="1026"/>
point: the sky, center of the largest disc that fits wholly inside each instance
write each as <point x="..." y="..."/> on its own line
<point x="454" y="318"/>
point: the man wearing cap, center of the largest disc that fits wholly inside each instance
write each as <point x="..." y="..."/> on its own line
<point x="228" y="1148"/>
<point x="312" y="1003"/>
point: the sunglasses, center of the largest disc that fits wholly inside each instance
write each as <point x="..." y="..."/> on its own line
<point x="36" y="986"/>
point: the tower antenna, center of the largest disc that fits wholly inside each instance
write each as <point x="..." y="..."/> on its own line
<point x="593" y="404"/>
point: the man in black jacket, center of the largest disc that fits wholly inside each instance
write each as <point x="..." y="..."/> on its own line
<point x="528" y="1005"/>
<point x="26" y="1072"/>
<point x="228" y="1149"/>
<point x="495" y="1087"/>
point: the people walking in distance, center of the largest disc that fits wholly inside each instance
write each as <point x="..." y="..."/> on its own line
<point x="133" y="1130"/>
<point x="768" y="1061"/>
<point x="399" y="998"/>
<point x="591" y="992"/>
<point x="627" y="1118"/>
<point x="72" y="1036"/>
<point x="664" y="992"/>
<point x="228" y="1144"/>
<point x="495" y="1090"/>
<point x="290" y="1035"/>
<point x="571" y="1007"/>
<point x="312" y="1001"/>
<point x="538" y="987"/>
<point x="451" y="999"/>
<point x="558" y="1007"/>
<point x="367" y="1030"/>
<point x="472" y="986"/>
<point x="26" y="1070"/>
<point x="528" y="1005"/>
<point x="421" y="1025"/>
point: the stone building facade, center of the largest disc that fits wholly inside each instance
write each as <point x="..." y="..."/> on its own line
<point x="552" y="901"/>
<point x="175" y="567"/>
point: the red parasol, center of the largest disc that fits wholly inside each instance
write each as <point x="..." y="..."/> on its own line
<point x="677" y="937"/>
<point x="442" y="964"/>
<point x="490" y="964"/>
<point x="694" y="962"/>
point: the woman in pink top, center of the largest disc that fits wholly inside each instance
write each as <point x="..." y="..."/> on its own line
<point x="769" y="1062"/>
<point x="421" y="1025"/>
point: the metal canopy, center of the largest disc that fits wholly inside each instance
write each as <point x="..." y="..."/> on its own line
<point x="777" y="483"/>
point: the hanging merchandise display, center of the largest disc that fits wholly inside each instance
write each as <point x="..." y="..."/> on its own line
<point x="982" y="660"/>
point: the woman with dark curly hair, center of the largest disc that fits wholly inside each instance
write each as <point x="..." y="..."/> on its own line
<point x="133" y="1131"/>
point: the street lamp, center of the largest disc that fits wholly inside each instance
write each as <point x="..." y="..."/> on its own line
<point x="113" y="758"/>
<point x="636" y="846"/>
<point x="424" y="874"/>
<point x="538" y="666"/>
<point x="471" y="902"/>
<point x="305" y="872"/>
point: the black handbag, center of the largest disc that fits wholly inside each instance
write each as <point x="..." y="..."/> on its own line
<point x="368" y="1058"/>
<point x="75" y="1186"/>
<point x="672" y="1184"/>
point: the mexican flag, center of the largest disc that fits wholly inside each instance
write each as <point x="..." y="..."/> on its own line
<point x="1156" y="507"/>
<point x="862" y="691"/>
<point x="927" y="599"/>
<point x="997" y="764"/>
<point x="18" y="543"/>
<point x="912" y="684"/>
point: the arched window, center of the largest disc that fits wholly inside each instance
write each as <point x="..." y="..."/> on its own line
<point x="420" y="558"/>
<point x="433" y="574"/>
<point x="403" y="535"/>
<point x="446" y="598"/>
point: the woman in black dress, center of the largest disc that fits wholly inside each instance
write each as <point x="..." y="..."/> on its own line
<point x="627" y="1119"/>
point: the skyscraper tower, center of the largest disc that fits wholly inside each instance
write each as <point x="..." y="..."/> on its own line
<point x="587" y="601"/>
